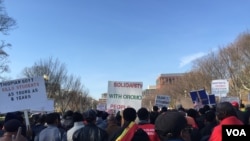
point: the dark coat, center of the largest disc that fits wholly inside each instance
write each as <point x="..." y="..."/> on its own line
<point x="90" y="132"/>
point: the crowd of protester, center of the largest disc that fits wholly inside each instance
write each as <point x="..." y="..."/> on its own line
<point x="160" y="124"/>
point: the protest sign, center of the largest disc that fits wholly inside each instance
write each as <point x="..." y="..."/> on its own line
<point x="194" y="96"/>
<point x="203" y="97"/>
<point x="22" y="94"/>
<point x="220" y="87"/>
<point x="101" y="107"/>
<point x="162" y="101"/>
<point x="122" y="94"/>
<point x="212" y="100"/>
<point x="230" y="99"/>
<point x="47" y="106"/>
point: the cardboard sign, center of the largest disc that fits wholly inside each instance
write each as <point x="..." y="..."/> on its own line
<point x="220" y="87"/>
<point x="162" y="101"/>
<point x="22" y="94"/>
<point x="122" y="94"/>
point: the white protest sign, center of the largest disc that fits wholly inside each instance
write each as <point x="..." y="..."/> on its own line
<point x="123" y="94"/>
<point x="162" y="101"/>
<point x="220" y="87"/>
<point x="47" y="106"/>
<point x="22" y="94"/>
<point x="101" y="107"/>
<point x="230" y="99"/>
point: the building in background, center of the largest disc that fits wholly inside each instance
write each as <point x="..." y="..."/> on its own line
<point x="167" y="79"/>
<point x="148" y="97"/>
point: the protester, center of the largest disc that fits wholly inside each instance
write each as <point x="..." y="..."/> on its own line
<point x="67" y="120"/>
<point x="38" y="125"/>
<point x="226" y="115"/>
<point x="103" y="123"/>
<point x="78" y="123"/>
<point x="90" y="132"/>
<point x="118" y="118"/>
<point x="12" y="131"/>
<point x="143" y="116"/>
<point x="242" y="115"/>
<point x="52" y="132"/>
<point x="209" y="123"/>
<point x="163" y="109"/>
<point x="154" y="114"/>
<point x="130" y="130"/>
<point x="1" y="128"/>
<point x="17" y="115"/>
<point x="112" y="125"/>
<point x="172" y="126"/>
<point x="62" y="129"/>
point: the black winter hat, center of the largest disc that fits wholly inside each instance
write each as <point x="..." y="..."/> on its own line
<point x="170" y="123"/>
<point x="90" y="115"/>
<point x="12" y="125"/>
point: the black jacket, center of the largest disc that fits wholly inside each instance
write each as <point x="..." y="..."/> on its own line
<point x="139" y="135"/>
<point x="90" y="132"/>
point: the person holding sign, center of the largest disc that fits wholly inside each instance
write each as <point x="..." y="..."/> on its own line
<point x="12" y="130"/>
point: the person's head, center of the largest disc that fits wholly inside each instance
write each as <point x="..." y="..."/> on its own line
<point x="67" y="114"/>
<point x="143" y="114"/>
<point x="206" y="108"/>
<point x="11" y="125"/>
<point x="192" y="113"/>
<point x="164" y="109"/>
<point x="128" y="115"/>
<point x="77" y="117"/>
<point x="210" y="116"/>
<point x="42" y="118"/>
<point x="235" y="104"/>
<point x="171" y="125"/>
<point x="52" y="119"/>
<point x="224" y="110"/>
<point x="90" y="116"/>
<point x="179" y="106"/>
<point x="155" y="108"/>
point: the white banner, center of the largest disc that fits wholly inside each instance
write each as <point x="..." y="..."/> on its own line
<point x="46" y="106"/>
<point x="162" y="101"/>
<point x="124" y="94"/>
<point x="230" y="99"/>
<point x="22" y="94"/>
<point x="101" y="107"/>
<point x="220" y="87"/>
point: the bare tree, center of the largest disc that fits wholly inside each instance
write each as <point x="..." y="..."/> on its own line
<point x="61" y="87"/>
<point x="4" y="58"/>
<point x="6" y="24"/>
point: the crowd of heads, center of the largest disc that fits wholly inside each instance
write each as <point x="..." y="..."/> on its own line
<point x="168" y="123"/>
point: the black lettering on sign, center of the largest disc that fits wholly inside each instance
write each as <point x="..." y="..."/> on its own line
<point x="22" y="97"/>
<point x="238" y="132"/>
<point x="11" y="94"/>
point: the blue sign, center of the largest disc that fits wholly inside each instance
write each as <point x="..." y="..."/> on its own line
<point x="212" y="100"/>
<point x="203" y="97"/>
<point x="194" y="96"/>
